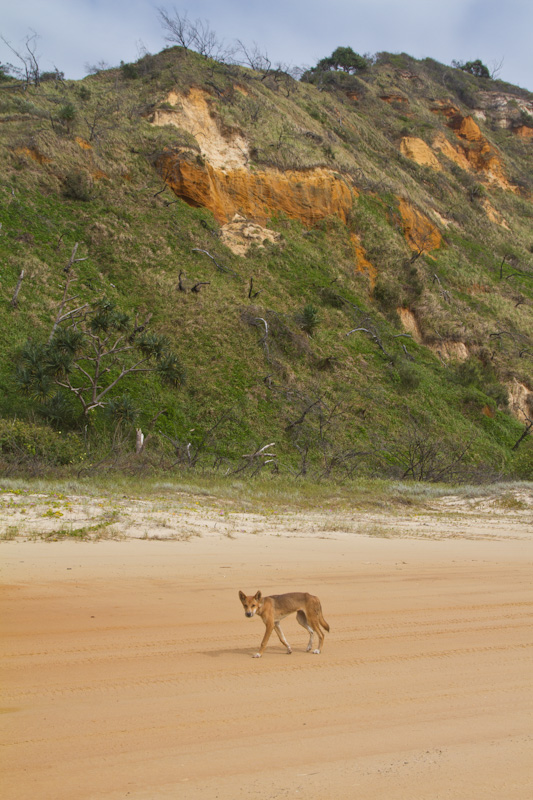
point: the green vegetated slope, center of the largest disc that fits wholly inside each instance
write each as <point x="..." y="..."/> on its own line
<point x="443" y="330"/>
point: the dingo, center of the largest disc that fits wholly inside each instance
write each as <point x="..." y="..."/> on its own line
<point x="275" y="608"/>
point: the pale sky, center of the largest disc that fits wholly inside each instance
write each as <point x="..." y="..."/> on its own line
<point x="74" y="33"/>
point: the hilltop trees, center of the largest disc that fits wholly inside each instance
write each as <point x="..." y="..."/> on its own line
<point x="342" y="63"/>
<point x="476" y="68"/>
<point x="345" y="59"/>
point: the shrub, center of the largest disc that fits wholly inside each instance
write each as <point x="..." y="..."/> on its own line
<point x="129" y="71"/>
<point x="22" y="442"/>
<point x="387" y="295"/>
<point x="4" y="73"/>
<point x="522" y="464"/>
<point x="476" y="68"/>
<point x="77" y="186"/>
<point x="308" y="319"/>
<point x="84" y="93"/>
<point x="55" y="75"/>
<point x="480" y="381"/>
<point x="408" y="376"/>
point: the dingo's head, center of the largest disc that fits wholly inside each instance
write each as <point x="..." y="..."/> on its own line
<point x="251" y="604"/>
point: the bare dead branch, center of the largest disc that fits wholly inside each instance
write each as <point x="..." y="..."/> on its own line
<point x="221" y="267"/>
<point x="527" y="430"/>
<point x="303" y="415"/>
<point x="375" y="336"/>
<point x="444" y="292"/>
<point x="251" y="294"/>
<point x="14" y="299"/>
<point x="409" y="356"/>
<point x="197" y="286"/>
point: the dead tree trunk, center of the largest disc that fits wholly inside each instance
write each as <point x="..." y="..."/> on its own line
<point x="14" y="299"/>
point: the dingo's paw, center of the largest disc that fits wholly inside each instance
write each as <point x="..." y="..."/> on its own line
<point x="316" y="652"/>
<point x="256" y="655"/>
<point x="289" y="651"/>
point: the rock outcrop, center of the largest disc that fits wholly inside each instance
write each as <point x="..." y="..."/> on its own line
<point x="421" y="234"/>
<point x="475" y="148"/>
<point x="306" y="195"/>
<point x="220" y="179"/>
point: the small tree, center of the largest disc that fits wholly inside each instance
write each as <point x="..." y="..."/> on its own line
<point x="4" y="73"/>
<point x="67" y="115"/>
<point x="194" y="35"/>
<point x="345" y="59"/>
<point x="92" y="348"/>
<point x="28" y="69"/>
<point x="476" y="68"/>
<point x="308" y="318"/>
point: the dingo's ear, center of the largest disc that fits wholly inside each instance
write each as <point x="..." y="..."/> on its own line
<point x="242" y="597"/>
<point x="257" y="596"/>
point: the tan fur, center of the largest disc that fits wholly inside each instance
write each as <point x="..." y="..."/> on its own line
<point x="274" y="608"/>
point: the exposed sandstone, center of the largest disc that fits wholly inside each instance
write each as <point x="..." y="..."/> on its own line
<point x="192" y="113"/>
<point x="421" y="234"/>
<point x="394" y="98"/>
<point x="418" y="151"/>
<point x="493" y="214"/>
<point x="240" y="234"/>
<point x="524" y="132"/>
<point x="308" y="195"/>
<point x="410" y="324"/>
<point x="520" y="400"/>
<point x="362" y="264"/>
<point x="450" y="351"/>
<point x="455" y="154"/>
<point x="83" y="143"/>
<point x="476" y="149"/>
<point x="34" y="153"/>
<point x="221" y="181"/>
<point x="503" y="108"/>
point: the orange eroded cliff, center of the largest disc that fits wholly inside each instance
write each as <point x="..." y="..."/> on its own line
<point x="308" y="195"/>
<point x="421" y="234"/>
<point x="220" y="179"/>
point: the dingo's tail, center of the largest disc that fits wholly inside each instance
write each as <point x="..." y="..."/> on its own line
<point x="322" y="620"/>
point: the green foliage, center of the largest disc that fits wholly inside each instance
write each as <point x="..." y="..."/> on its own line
<point x="84" y="93"/>
<point x="24" y="442"/>
<point x="253" y="384"/>
<point x="408" y="376"/>
<point x="122" y="409"/>
<point x="4" y="73"/>
<point x="476" y="68"/>
<point x="129" y="71"/>
<point x="522" y="466"/>
<point x="473" y="374"/>
<point x="77" y="186"/>
<point x="67" y="114"/>
<point x="308" y="318"/>
<point x="345" y="59"/>
<point x="91" y="351"/>
<point x="55" y="75"/>
<point x="387" y="295"/>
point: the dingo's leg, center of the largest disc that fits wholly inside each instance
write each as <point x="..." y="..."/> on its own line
<point x="312" y="621"/>
<point x="302" y="619"/>
<point x="266" y="637"/>
<point x="281" y="637"/>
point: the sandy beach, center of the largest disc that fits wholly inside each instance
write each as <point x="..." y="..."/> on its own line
<point x="127" y="669"/>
